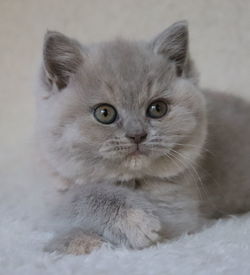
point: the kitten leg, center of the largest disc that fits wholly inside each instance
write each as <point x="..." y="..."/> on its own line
<point x="118" y="214"/>
<point x="75" y="242"/>
<point x="178" y="206"/>
<point x="138" y="228"/>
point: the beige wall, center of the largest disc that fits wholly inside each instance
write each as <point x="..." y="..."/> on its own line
<point x="219" y="29"/>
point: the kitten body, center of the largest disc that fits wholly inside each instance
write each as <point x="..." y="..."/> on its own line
<point x="226" y="160"/>
<point x="190" y="167"/>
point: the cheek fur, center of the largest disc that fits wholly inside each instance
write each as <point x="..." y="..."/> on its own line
<point x="180" y="123"/>
<point x="116" y="148"/>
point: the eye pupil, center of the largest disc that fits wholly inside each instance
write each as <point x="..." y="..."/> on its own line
<point x="158" y="107"/>
<point x="104" y="112"/>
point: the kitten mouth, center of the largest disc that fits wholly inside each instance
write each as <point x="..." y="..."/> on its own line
<point x="136" y="152"/>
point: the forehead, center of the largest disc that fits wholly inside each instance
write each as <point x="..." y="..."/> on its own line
<point x="125" y="73"/>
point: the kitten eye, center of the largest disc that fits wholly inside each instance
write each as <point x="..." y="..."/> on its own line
<point x="105" y="113"/>
<point x="157" y="109"/>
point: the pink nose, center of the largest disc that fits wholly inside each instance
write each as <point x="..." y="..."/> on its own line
<point x="138" y="138"/>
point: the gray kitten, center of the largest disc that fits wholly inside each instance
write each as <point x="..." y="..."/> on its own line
<point x="150" y="155"/>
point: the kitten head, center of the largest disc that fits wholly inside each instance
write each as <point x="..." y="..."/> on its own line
<point x="122" y="109"/>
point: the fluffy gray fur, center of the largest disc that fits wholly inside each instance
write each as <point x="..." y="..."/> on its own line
<point x="192" y="166"/>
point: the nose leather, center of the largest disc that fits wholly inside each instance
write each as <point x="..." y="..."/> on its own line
<point x="137" y="138"/>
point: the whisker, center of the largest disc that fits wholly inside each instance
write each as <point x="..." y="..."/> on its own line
<point x="164" y="137"/>
<point x="202" y="186"/>
<point x="195" y="146"/>
<point x="115" y="148"/>
<point x="173" y="158"/>
<point x="199" y="188"/>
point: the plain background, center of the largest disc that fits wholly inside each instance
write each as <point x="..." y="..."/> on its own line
<point x="219" y="31"/>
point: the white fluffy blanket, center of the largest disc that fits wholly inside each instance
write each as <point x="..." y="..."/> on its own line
<point x="25" y="226"/>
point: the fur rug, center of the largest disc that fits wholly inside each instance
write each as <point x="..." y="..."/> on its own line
<point x="26" y="199"/>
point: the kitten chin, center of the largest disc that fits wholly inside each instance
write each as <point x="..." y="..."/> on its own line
<point x="136" y="162"/>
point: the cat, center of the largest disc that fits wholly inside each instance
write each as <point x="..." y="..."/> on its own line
<point x="147" y="153"/>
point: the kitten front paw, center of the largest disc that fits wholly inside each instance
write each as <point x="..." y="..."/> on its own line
<point x="75" y="242"/>
<point x="138" y="229"/>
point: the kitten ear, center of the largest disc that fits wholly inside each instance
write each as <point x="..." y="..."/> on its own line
<point x="173" y="43"/>
<point x="62" y="57"/>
